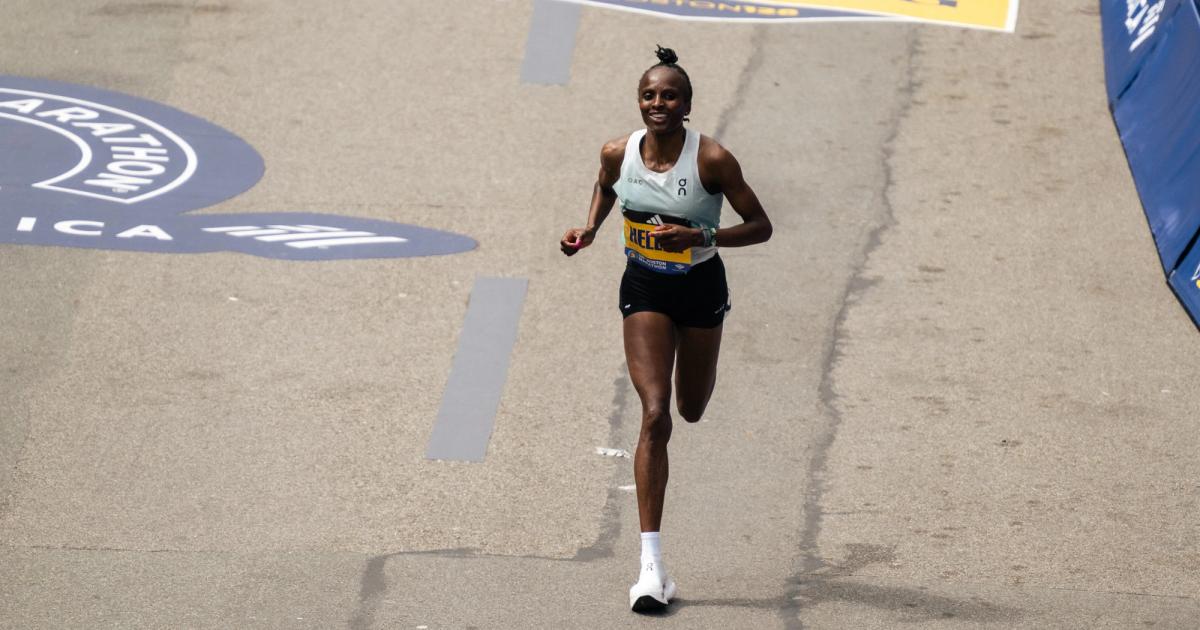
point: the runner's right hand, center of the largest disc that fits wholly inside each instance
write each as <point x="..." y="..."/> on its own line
<point x="576" y="239"/>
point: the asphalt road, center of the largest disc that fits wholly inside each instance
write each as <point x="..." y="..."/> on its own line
<point x="954" y="388"/>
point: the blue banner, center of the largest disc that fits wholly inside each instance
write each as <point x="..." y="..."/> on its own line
<point x="1152" y="65"/>
<point x="1129" y="34"/>
<point x="1184" y="282"/>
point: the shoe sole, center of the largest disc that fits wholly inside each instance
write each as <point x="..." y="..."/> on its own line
<point x="647" y="603"/>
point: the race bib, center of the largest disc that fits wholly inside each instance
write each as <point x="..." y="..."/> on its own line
<point x="642" y="248"/>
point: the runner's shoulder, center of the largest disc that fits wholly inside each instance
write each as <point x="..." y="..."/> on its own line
<point x="613" y="151"/>
<point x="712" y="152"/>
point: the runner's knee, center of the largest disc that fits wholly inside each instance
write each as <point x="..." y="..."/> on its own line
<point x="656" y="424"/>
<point x="691" y="412"/>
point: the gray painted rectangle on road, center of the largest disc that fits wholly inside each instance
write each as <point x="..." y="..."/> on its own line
<point x="472" y="396"/>
<point x="551" y="42"/>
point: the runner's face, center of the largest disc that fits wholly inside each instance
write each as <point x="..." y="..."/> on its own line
<point x="661" y="97"/>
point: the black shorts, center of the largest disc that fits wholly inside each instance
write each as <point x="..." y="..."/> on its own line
<point x="696" y="299"/>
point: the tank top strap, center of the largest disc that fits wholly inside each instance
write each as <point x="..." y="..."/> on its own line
<point x="688" y="166"/>
<point x="633" y="148"/>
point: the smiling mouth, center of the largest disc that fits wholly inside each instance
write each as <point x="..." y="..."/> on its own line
<point x="657" y="116"/>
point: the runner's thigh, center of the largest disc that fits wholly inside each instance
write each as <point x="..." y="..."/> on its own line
<point x="649" y="353"/>
<point x="696" y="369"/>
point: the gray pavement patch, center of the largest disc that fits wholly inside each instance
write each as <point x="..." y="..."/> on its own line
<point x="749" y="71"/>
<point x="468" y="411"/>
<point x="371" y="590"/>
<point x="610" y="519"/>
<point x="551" y="43"/>
<point x="916" y="605"/>
<point x="811" y="560"/>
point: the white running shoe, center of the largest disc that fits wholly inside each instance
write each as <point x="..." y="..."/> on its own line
<point x="654" y="589"/>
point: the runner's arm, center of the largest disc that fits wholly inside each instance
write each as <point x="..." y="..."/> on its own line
<point x="603" y="198"/>
<point x="756" y="226"/>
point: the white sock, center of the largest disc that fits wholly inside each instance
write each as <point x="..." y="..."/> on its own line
<point x="652" y="553"/>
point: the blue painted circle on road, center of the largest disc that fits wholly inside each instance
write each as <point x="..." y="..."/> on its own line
<point x="86" y="167"/>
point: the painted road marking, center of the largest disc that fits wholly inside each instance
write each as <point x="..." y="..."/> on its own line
<point x="551" y="43"/>
<point x="133" y="169"/>
<point x="130" y="168"/>
<point x="477" y="376"/>
<point x="306" y="236"/>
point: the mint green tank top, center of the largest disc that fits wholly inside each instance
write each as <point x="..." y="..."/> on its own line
<point x="649" y="198"/>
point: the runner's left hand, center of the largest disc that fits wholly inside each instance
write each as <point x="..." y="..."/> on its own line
<point x="676" y="238"/>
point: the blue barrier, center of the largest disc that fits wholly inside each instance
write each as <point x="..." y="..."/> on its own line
<point x="1183" y="282"/>
<point x="1152" y="68"/>
<point x="1124" y="48"/>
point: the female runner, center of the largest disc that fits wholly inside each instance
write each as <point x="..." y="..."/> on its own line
<point x="670" y="182"/>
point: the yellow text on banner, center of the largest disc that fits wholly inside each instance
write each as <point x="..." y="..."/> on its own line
<point x="994" y="14"/>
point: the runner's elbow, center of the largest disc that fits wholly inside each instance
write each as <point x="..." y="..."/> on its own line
<point x="767" y="230"/>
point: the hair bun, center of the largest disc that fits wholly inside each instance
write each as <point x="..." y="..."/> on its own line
<point x="666" y="55"/>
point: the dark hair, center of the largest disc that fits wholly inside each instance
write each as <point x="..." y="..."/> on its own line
<point x="668" y="59"/>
